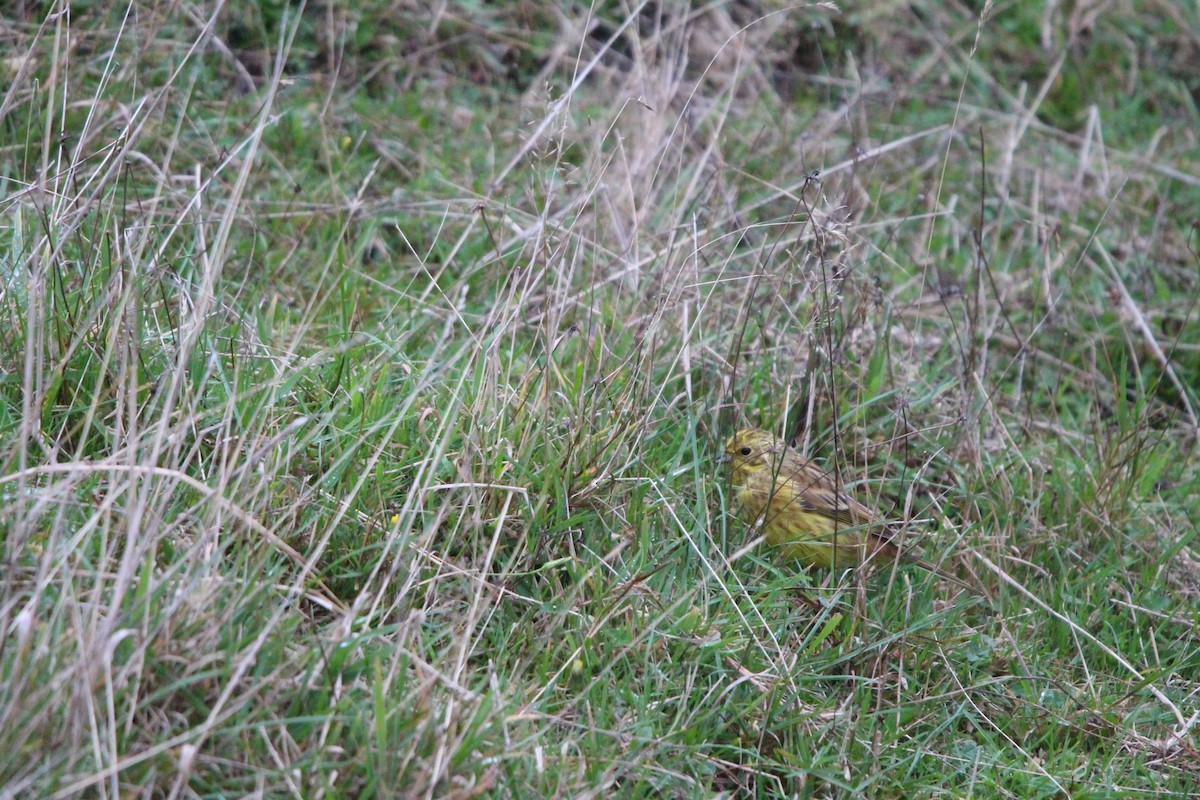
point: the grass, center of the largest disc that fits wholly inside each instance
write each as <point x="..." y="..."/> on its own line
<point x="363" y="371"/>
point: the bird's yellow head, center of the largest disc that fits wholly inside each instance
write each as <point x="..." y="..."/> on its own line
<point x="751" y="449"/>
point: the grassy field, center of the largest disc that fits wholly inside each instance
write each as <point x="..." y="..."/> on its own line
<point x="364" y="369"/>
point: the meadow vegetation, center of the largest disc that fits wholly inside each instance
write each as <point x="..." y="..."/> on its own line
<point x="364" y="368"/>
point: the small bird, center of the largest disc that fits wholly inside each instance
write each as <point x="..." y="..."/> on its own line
<point x="803" y="511"/>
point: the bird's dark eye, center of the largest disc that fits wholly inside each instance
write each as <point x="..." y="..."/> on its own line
<point x="746" y="451"/>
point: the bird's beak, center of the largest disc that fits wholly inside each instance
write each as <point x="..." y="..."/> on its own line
<point x="724" y="458"/>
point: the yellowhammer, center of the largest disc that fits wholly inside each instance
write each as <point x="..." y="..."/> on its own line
<point x="803" y="511"/>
